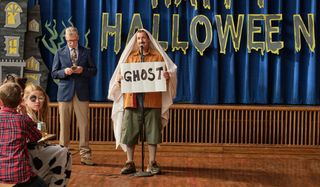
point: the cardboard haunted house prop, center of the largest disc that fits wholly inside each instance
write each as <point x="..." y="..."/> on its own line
<point x="19" y="50"/>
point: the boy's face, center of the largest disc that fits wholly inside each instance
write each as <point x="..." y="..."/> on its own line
<point x="1" y="104"/>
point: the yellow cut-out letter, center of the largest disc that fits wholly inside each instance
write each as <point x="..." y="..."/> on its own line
<point x="176" y="44"/>
<point x="202" y="20"/>
<point x="111" y="30"/>
<point x="299" y="27"/>
<point x="223" y="34"/>
<point x="272" y="46"/>
<point x="155" y="31"/>
<point x="136" y="23"/>
<point x="252" y="30"/>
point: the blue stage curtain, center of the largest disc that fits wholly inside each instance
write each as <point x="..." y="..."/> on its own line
<point x="214" y="78"/>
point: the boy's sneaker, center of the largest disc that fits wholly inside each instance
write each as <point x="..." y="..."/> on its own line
<point x="154" y="168"/>
<point x="128" y="168"/>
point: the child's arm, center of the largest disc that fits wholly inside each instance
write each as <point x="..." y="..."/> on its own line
<point x="33" y="134"/>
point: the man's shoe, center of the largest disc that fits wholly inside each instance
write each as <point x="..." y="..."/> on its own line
<point x="87" y="161"/>
<point x="154" y="168"/>
<point x="128" y="168"/>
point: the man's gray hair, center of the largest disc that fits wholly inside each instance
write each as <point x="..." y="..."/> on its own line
<point x="71" y="31"/>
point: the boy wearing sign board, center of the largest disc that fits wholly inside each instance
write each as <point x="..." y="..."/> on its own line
<point x="152" y="106"/>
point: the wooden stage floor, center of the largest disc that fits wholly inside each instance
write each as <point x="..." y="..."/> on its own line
<point x="203" y="165"/>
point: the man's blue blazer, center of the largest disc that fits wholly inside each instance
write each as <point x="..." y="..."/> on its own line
<point x="76" y="83"/>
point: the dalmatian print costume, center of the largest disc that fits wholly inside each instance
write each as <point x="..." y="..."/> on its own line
<point x="51" y="162"/>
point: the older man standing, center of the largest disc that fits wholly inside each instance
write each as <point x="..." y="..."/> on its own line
<point x="73" y="67"/>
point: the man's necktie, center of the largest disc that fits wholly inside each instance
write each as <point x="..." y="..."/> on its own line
<point x="74" y="56"/>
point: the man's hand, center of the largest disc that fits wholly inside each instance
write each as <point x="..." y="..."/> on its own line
<point x="68" y="71"/>
<point x="119" y="78"/>
<point x="166" y="75"/>
<point x="79" y="70"/>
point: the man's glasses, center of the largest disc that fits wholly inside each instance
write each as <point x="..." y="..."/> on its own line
<point x="72" y="41"/>
<point x="34" y="98"/>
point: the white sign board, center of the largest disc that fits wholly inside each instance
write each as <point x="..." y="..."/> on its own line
<point x="143" y="77"/>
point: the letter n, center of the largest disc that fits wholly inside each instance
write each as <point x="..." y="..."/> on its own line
<point x="299" y="27"/>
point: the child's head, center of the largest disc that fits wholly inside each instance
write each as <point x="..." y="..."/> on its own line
<point x="35" y="97"/>
<point x="10" y="94"/>
<point x="15" y="79"/>
<point x="36" y="102"/>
